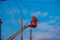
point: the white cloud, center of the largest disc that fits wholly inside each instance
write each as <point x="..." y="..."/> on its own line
<point x="38" y="13"/>
<point x="44" y="14"/>
<point x="52" y="31"/>
<point x="53" y="19"/>
<point x="46" y="35"/>
<point x="45" y="26"/>
<point x="57" y="37"/>
<point x="43" y="35"/>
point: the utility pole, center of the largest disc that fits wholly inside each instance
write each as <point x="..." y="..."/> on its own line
<point x="30" y="33"/>
<point x="21" y="27"/>
<point x="0" y="27"/>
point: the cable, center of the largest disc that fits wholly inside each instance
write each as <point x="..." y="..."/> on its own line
<point x="30" y="28"/>
<point x="19" y="7"/>
<point x="25" y="5"/>
<point x="13" y="12"/>
<point x="21" y="37"/>
<point x="38" y="2"/>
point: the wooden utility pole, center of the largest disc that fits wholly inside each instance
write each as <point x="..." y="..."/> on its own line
<point x="21" y="27"/>
<point x="30" y="33"/>
<point x="0" y="27"/>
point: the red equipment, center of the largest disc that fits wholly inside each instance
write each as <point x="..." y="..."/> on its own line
<point x="33" y="24"/>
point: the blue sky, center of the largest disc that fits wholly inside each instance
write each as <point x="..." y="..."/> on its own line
<point x="47" y="12"/>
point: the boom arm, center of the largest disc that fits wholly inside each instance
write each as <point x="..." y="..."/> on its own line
<point x="32" y="25"/>
<point x="18" y="32"/>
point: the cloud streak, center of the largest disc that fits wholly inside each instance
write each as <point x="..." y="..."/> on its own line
<point x="43" y="35"/>
<point x="39" y="14"/>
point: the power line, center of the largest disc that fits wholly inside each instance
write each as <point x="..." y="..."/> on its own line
<point x="13" y="12"/>
<point x="36" y="2"/>
<point x="39" y="2"/>
<point x="21" y="24"/>
<point x="25" y="5"/>
<point x="30" y="28"/>
<point x="19" y="7"/>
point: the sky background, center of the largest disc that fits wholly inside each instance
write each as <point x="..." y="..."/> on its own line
<point x="47" y="12"/>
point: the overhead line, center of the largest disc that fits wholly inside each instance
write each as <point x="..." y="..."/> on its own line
<point x="19" y="7"/>
<point x="39" y="2"/>
<point x="13" y="12"/>
<point x="21" y="24"/>
<point x="25" y="5"/>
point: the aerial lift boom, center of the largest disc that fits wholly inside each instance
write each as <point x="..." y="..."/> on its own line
<point x="18" y="32"/>
<point x="33" y="24"/>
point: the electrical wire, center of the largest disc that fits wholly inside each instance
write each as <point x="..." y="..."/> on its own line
<point x="25" y="5"/>
<point x="30" y="28"/>
<point x="12" y="13"/>
<point x="58" y="2"/>
<point x="19" y="7"/>
<point x="21" y="37"/>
